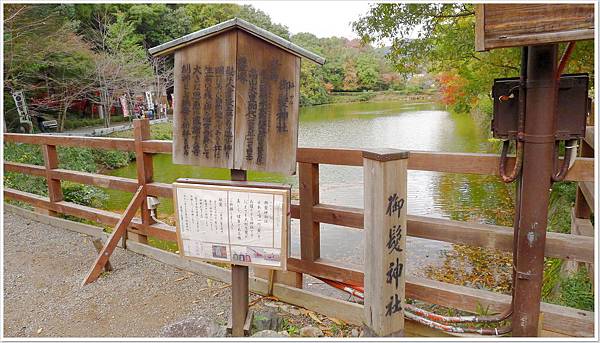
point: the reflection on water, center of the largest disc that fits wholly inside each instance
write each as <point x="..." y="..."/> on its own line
<point x="376" y="125"/>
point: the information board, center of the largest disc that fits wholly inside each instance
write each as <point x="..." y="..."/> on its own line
<point x="233" y="224"/>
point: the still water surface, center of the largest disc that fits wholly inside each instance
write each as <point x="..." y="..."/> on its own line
<point x="376" y="125"/>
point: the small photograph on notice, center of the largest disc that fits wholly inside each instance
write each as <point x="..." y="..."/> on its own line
<point x="219" y="251"/>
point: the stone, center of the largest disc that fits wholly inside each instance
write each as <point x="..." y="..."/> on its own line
<point x="354" y="333"/>
<point x="266" y="320"/>
<point x="311" y="331"/>
<point x="284" y="333"/>
<point x="269" y="333"/>
<point x="193" y="327"/>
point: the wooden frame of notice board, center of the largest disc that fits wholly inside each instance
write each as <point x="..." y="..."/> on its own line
<point x="225" y="186"/>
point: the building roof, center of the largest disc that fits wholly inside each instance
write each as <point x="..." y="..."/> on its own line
<point x="265" y="35"/>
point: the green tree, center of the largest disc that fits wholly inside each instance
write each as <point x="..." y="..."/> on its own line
<point x="441" y="38"/>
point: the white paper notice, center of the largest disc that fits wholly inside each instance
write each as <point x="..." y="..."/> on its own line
<point x="220" y="223"/>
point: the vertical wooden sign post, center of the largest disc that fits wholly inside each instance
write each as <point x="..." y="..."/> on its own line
<point x="385" y="252"/>
<point x="236" y="96"/>
<point x="239" y="282"/>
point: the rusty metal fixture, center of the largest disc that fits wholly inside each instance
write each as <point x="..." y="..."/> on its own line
<point x="533" y="190"/>
<point x="560" y="174"/>
<point x="520" y="124"/>
<point x="564" y="59"/>
<point x="518" y="162"/>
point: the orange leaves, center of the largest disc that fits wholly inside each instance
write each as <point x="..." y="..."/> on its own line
<point x="451" y="87"/>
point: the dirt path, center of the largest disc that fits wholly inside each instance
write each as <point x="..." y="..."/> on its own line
<point x="43" y="269"/>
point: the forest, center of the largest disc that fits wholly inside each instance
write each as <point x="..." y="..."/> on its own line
<point x="58" y="54"/>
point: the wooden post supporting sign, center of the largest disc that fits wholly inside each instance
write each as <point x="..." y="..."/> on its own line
<point x="239" y="282"/>
<point x="385" y="229"/>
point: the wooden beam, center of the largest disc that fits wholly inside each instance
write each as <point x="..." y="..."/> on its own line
<point x="158" y="146"/>
<point x="463" y="163"/>
<point x="589" y="136"/>
<point x="587" y="190"/>
<point x="145" y="169"/>
<point x="24" y="168"/>
<point x="310" y="241"/>
<point x="105" y="181"/>
<point x="559" y="245"/>
<point x="123" y="144"/>
<point x="159" y="189"/>
<point x="51" y="162"/>
<point x="344" y="157"/>
<point x="99" y="245"/>
<point x="385" y="191"/>
<point x="445" y="162"/>
<point x="115" y="236"/>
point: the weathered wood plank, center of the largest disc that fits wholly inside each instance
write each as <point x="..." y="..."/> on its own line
<point x="24" y="168"/>
<point x="446" y="162"/>
<point x="465" y="163"/>
<point x="159" y="189"/>
<point x="157" y="146"/>
<point x="589" y="136"/>
<point x="385" y="192"/>
<point x="144" y="168"/>
<point x="509" y="25"/>
<point x="558" y="245"/>
<point x="157" y="230"/>
<point x="51" y="162"/>
<point x="199" y="129"/>
<point x="339" y="215"/>
<point x="98" y="244"/>
<point x="118" y="232"/>
<point x="487" y="164"/>
<point x="123" y="144"/>
<point x="105" y="181"/>
<point x="266" y="105"/>
<point x="310" y="229"/>
<point x="587" y="190"/>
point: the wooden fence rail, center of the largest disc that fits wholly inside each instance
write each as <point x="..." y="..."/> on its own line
<point x="312" y="212"/>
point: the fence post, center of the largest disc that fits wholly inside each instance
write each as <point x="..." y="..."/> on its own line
<point x="145" y="172"/>
<point x="385" y="230"/>
<point x="51" y="162"/>
<point x="310" y="234"/>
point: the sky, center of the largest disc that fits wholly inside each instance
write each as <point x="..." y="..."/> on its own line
<point x="321" y="18"/>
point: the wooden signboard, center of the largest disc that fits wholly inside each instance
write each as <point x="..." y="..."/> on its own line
<point x="233" y="222"/>
<point x="510" y="25"/>
<point x="236" y="98"/>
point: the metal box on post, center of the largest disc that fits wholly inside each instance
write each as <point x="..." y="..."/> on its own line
<point x="571" y="113"/>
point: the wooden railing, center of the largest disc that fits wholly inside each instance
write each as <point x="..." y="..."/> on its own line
<point x="312" y="212"/>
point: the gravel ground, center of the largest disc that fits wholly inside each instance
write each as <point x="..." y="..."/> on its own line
<point x="43" y="270"/>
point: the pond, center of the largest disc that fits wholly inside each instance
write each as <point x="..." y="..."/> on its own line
<point x="408" y="126"/>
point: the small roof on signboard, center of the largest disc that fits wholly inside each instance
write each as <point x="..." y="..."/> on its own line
<point x="265" y="35"/>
